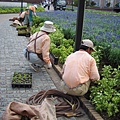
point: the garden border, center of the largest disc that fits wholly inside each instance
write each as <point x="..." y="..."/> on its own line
<point x="85" y="104"/>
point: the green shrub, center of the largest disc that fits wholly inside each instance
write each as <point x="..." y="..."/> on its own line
<point x="57" y="37"/>
<point x="104" y="94"/>
<point x="40" y="9"/>
<point x="37" y="20"/>
<point x="98" y="55"/>
<point x="16" y="9"/>
<point x="52" y="46"/>
<point x="105" y="50"/>
<point x="76" y="3"/>
<point x="9" y="10"/>
<point x="69" y="33"/>
<point x="114" y="57"/>
<point x="56" y="52"/>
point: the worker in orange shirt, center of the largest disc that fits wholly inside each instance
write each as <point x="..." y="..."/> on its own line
<point x="29" y="18"/>
<point x="37" y="51"/>
<point x="20" y="19"/>
<point x="79" y="70"/>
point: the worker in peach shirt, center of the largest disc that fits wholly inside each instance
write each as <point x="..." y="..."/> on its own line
<point x="79" y="70"/>
<point x="37" y="51"/>
<point x="22" y="15"/>
<point x="29" y="18"/>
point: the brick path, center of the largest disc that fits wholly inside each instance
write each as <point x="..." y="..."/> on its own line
<point x="12" y="60"/>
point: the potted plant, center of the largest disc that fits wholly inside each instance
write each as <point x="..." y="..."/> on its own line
<point x="54" y="55"/>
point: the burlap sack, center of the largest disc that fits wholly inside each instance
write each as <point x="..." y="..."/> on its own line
<point x="45" y="111"/>
<point x="17" y="23"/>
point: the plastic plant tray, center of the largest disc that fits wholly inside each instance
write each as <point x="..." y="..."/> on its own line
<point x="22" y="80"/>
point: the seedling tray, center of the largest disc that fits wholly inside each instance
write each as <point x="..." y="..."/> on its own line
<point x="21" y="27"/>
<point x="24" y="33"/>
<point x="22" y="80"/>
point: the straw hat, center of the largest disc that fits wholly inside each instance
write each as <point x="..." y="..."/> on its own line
<point x="88" y="43"/>
<point x="48" y="27"/>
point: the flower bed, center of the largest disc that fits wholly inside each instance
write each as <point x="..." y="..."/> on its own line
<point x="22" y="80"/>
<point x="103" y="29"/>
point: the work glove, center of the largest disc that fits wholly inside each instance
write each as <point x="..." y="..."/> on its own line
<point x="49" y="65"/>
<point x="35" y="14"/>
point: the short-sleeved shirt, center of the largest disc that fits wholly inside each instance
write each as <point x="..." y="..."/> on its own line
<point x="42" y="45"/>
<point x="22" y="15"/>
<point x="79" y="67"/>
<point x="32" y="8"/>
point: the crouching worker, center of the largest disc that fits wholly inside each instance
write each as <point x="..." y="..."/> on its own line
<point x="79" y="70"/>
<point x="29" y="17"/>
<point x="37" y="51"/>
<point x="19" y="20"/>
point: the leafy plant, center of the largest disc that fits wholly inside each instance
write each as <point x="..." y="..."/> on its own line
<point x="69" y="33"/>
<point x="97" y="55"/>
<point x="52" y="46"/>
<point x="16" y="9"/>
<point x="67" y="42"/>
<point x="37" y="20"/>
<point x="64" y="52"/>
<point x="56" y="52"/>
<point x="57" y="37"/>
<point x="9" y="9"/>
<point x="114" y="57"/>
<point x="104" y="94"/>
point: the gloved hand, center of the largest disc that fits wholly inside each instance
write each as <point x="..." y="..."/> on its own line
<point x="35" y="14"/>
<point x="49" y="65"/>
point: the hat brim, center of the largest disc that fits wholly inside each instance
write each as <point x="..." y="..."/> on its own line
<point x="47" y="29"/>
<point x="93" y="50"/>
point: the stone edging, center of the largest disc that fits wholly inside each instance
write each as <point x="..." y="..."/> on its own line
<point x="85" y="104"/>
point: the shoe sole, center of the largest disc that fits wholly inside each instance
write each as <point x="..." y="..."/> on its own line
<point x="34" y="68"/>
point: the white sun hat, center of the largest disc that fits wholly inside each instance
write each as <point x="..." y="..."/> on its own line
<point x="35" y="6"/>
<point x="88" y="43"/>
<point x="48" y="27"/>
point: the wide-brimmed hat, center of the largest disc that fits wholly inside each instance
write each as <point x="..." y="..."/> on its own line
<point x="88" y="43"/>
<point x="35" y="6"/>
<point x="48" y="27"/>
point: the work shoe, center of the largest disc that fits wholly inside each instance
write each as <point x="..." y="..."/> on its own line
<point x="34" y="67"/>
<point x="14" y="25"/>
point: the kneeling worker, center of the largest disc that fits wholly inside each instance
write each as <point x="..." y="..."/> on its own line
<point x="79" y="71"/>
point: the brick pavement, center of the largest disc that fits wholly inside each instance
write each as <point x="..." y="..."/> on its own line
<point x="12" y="60"/>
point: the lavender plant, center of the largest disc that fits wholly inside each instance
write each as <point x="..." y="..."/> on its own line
<point x="101" y="27"/>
